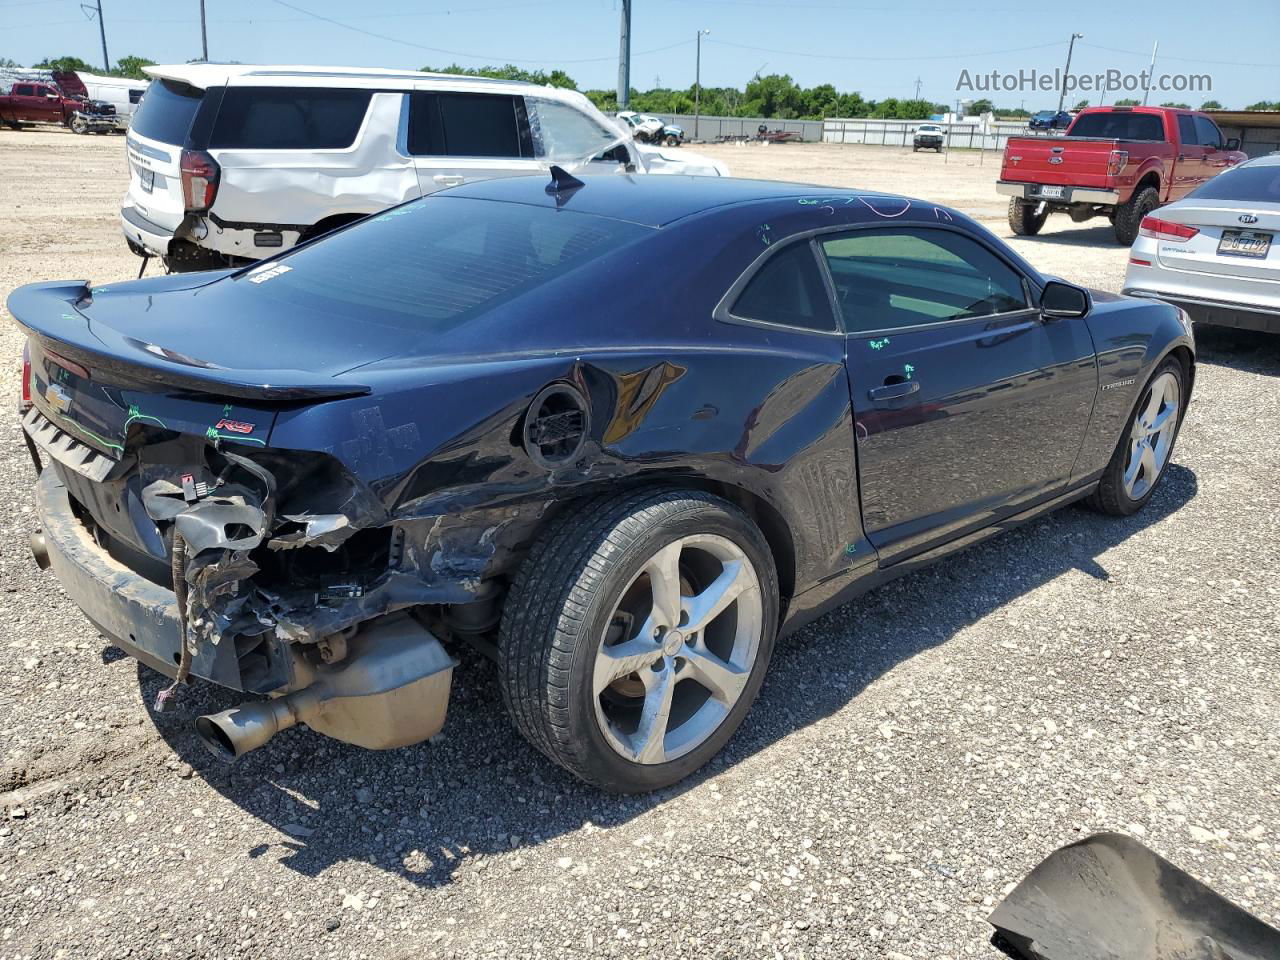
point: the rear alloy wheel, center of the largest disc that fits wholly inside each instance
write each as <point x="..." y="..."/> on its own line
<point x="636" y="636"/>
<point x="1144" y="451"/>
<point x="1026" y="217"/>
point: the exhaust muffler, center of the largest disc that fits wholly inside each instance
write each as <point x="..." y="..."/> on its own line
<point x="390" y="691"/>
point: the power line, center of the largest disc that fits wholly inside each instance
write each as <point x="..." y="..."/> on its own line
<point x="1221" y="63"/>
<point x="837" y="56"/>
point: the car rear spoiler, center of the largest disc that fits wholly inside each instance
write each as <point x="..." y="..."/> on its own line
<point x="51" y="313"/>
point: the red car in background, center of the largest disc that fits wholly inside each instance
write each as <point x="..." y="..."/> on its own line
<point x="1118" y="162"/>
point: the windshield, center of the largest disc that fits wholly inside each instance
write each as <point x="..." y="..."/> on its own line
<point x="432" y="264"/>
<point x="1119" y="126"/>
<point x="1258" y="184"/>
<point x="166" y="111"/>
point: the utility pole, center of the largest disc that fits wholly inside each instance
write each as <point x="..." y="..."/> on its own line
<point x="204" y="34"/>
<point x="1151" y="72"/>
<point x="917" y="88"/>
<point x="1067" y="72"/>
<point x="102" y="29"/>
<point x="697" y="83"/>
<point x="624" y="58"/>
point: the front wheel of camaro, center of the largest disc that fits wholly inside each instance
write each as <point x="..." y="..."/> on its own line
<point x="637" y="634"/>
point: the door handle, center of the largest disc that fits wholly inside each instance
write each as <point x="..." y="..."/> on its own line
<point x="894" y="391"/>
<point x="448" y="180"/>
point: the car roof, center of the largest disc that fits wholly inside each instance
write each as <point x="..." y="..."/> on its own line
<point x="1266" y="160"/>
<point x="654" y="200"/>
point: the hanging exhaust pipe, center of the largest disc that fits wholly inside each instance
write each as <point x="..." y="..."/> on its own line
<point x="390" y="691"/>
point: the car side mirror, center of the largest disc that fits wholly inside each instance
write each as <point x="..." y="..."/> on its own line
<point x="1063" y="300"/>
<point x="1233" y="143"/>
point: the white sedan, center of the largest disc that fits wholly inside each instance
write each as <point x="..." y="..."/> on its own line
<point x="1213" y="253"/>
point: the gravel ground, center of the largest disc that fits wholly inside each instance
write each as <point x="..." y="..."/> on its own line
<point x="912" y="755"/>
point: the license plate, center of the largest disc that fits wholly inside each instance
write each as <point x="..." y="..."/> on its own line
<point x="1244" y="243"/>
<point x="147" y="178"/>
<point x="1052" y="193"/>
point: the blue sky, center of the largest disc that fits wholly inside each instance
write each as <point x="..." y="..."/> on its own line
<point x="878" y="47"/>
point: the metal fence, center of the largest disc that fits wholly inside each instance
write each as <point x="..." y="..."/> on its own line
<point x="898" y="133"/>
<point x="713" y="128"/>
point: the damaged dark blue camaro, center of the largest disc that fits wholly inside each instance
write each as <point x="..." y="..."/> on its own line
<point x="473" y="419"/>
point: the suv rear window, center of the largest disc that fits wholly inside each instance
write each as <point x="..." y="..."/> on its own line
<point x="166" y="111"/>
<point x="289" y="118"/>
<point x="1119" y="126"/>
<point x="468" y="125"/>
<point x="433" y="264"/>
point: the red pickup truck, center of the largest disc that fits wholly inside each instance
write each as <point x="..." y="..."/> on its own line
<point x="1118" y="162"/>
<point x="35" y="101"/>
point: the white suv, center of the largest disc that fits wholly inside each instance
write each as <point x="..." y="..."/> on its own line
<point x="231" y="162"/>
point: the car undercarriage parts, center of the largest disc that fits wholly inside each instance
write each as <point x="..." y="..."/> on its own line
<point x="391" y="690"/>
<point x="1109" y="897"/>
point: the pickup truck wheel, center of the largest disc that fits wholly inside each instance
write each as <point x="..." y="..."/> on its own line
<point x="79" y="125"/>
<point x="1130" y="213"/>
<point x="637" y="634"/>
<point x="1023" y="219"/>
<point x="1146" y="444"/>
<point x="13" y="124"/>
<point x="672" y="141"/>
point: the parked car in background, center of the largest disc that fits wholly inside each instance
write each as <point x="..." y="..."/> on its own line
<point x="650" y="129"/>
<point x="230" y="163"/>
<point x="1213" y="253"/>
<point x="928" y="136"/>
<point x="1050" y="120"/>
<point x="1117" y="162"/>
<point x="445" y="424"/>
<point x="122" y="93"/>
<point x="31" y="101"/>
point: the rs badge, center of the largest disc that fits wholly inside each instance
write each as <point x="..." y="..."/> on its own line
<point x="235" y="426"/>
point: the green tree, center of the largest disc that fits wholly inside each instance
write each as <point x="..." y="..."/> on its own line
<point x="1177" y="106"/>
<point x="983" y="106"/>
<point x="1264" y="105"/>
<point x="509" y="71"/>
<point x="1211" y="105"/>
<point x="1081" y="105"/>
<point x="131" y="67"/>
<point x="65" y="64"/>
<point x="1128" y="103"/>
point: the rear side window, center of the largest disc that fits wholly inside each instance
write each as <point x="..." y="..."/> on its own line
<point x="1187" y="129"/>
<point x="467" y="125"/>
<point x="1259" y="184"/>
<point x="1119" y="126"/>
<point x="289" y="118"/>
<point x="24" y="90"/>
<point x="433" y="264"/>
<point x="903" y="277"/>
<point x="136" y="95"/>
<point x="788" y="291"/>
<point x="166" y="111"/>
<point x="1210" y="135"/>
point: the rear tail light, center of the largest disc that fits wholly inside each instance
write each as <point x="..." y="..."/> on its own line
<point x="25" y="404"/>
<point x="1138" y="261"/>
<point x="1116" y="162"/>
<point x="1165" y="230"/>
<point x="200" y="173"/>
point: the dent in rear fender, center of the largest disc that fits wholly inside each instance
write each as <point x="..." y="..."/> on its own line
<point x="1131" y="337"/>
<point x="448" y="463"/>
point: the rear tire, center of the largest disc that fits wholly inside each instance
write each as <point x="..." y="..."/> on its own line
<point x="1146" y="446"/>
<point x="630" y="571"/>
<point x="1023" y="219"/>
<point x="1130" y="213"/>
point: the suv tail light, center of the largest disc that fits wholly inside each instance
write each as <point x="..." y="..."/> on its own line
<point x="1165" y="230"/>
<point x="25" y="404"/>
<point x="1116" y="162"/>
<point x="200" y="173"/>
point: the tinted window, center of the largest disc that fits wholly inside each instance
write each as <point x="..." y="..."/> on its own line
<point x="1187" y="129"/>
<point x="903" y="277"/>
<point x="465" y="125"/>
<point x="1261" y="183"/>
<point x="24" y="90"/>
<point x="1119" y="126"/>
<point x="1210" y="135"/>
<point x="289" y="118"/>
<point x="563" y="132"/>
<point x="432" y="264"/>
<point x="166" y="111"/>
<point x="136" y="95"/>
<point x="787" y="290"/>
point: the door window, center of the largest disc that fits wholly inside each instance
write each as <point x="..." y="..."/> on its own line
<point x="903" y="277"/>
<point x="563" y="132"/>
<point x="465" y="125"/>
<point x="1187" y="130"/>
<point x="24" y="90"/>
<point x="1210" y="135"/>
<point x="788" y="291"/>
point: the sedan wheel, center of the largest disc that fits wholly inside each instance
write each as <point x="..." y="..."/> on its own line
<point x="1140" y="458"/>
<point x="678" y="650"/>
<point x="1151" y="438"/>
<point x="637" y="634"/>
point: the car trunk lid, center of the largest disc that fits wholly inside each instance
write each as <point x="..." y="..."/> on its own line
<point x="1226" y="231"/>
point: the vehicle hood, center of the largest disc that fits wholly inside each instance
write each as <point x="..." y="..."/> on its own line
<point x="680" y="160"/>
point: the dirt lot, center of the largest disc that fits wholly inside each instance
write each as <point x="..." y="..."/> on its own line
<point x="912" y="755"/>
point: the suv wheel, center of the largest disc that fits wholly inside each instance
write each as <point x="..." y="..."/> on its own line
<point x="636" y="636"/>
